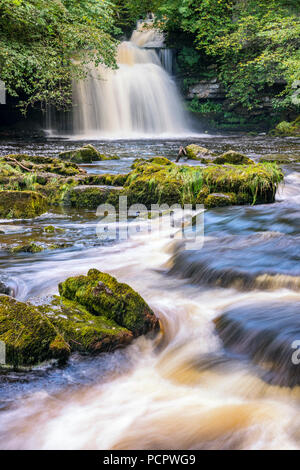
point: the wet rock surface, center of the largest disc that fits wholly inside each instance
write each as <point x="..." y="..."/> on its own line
<point x="267" y="334"/>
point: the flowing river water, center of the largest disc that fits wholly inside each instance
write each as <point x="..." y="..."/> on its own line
<point x="182" y="389"/>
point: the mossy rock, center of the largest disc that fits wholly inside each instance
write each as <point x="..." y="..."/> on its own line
<point x="280" y="158"/>
<point x="52" y="229"/>
<point x="101" y="294"/>
<point x="22" y="204"/>
<point x="36" y="164"/>
<point x="150" y="183"/>
<point x="106" y="179"/>
<point x="27" y="248"/>
<point x="285" y="128"/>
<point x="220" y="200"/>
<point x="160" y="161"/>
<point x="90" y="197"/>
<point x="233" y="158"/>
<point x="83" y="331"/>
<point x="29" y="336"/>
<point x="86" y="154"/>
<point x="196" y="152"/>
<point x="37" y="247"/>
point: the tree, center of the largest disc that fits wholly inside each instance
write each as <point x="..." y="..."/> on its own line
<point x="44" y="44"/>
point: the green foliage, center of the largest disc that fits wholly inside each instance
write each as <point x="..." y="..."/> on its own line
<point x="256" y="44"/>
<point x="44" y="44"/>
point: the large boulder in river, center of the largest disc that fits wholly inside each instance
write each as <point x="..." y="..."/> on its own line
<point x="101" y="294"/>
<point x="22" y="204"/>
<point x="86" y="154"/>
<point x="94" y="314"/>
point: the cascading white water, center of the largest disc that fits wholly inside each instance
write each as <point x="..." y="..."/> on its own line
<point x="138" y="99"/>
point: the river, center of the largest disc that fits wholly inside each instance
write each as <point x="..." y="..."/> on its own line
<point x="181" y="390"/>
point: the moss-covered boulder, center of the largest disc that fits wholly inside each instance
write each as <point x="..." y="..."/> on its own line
<point x="29" y="336"/>
<point x="22" y="204"/>
<point x="86" y="154"/>
<point x="233" y="158"/>
<point x="196" y="152"/>
<point x="101" y="294"/>
<point x="151" y="183"/>
<point x="285" y="128"/>
<point x="90" y="197"/>
<point x="94" y="314"/>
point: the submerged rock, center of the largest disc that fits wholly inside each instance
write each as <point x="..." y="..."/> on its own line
<point x="265" y="333"/>
<point x="233" y="158"/>
<point x="94" y="313"/>
<point x="86" y="154"/>
<point x="22" y="204"/>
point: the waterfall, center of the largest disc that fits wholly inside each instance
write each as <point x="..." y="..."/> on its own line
<point x="139" y="99"/>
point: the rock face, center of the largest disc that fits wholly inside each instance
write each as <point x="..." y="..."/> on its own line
<point x="264" y="333"/>
<point x="94" y="313"/>
<point x="207" y="89"/>
<point x="22" y="204"/>
<point x="86" y="154"/>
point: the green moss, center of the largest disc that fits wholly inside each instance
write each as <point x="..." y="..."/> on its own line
<point x="86" y="154"/>
<point x="220" y="200"/>
<point x="42" y="164"/>
<point x="27" y="248"/>
<point x="101" y="294"/>
<point x="90" y="197"/>
<point x="150" y="183"/>
<point x="196" y="152"/>
<point x="52" y="229"/>
<point x="83" y="331"/>
<point x="285" y="128"/>
<point x="22" y="204"/>
<point x="233" y="158"/>
<point x="280" y="158"/>
<point x="259" y="182"/>
<point x="160" y="161"/>
<point x="28" y="334"/>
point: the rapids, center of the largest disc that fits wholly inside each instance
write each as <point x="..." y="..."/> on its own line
<point x="183" y="389"/>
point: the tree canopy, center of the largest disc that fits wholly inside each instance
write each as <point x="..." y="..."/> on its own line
<point x="44" y="44"/>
